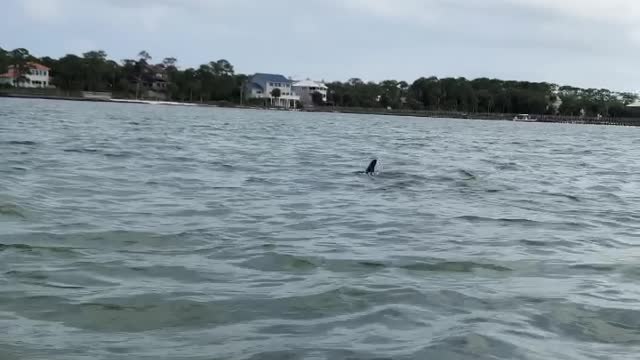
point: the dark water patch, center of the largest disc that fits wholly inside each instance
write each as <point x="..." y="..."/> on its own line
<point x="525" y="222"/>
<point x="143" y="313"/>
<point x="258" y="180"/>
<point x="21" y="142"/>
<point x="454" y="266"/>
<point x="33" y="275"/>
<point x="396" y="175"/>
<point x="12" y="211"/>
<point x="591" y="324"/>
<point x="480" y="219"/>
<point x="81" y="151"/>
<point x="218" y="211"/>
<point x="34" y="248"/>
<point x="180" y="274"/>
<point x="470" y="346"/>
<point x="114" y="240"/>
<point x="552" y="244"/>
<point x="561" y="195"/>
<point x="586" y="268"/>
<point x="278" y="355"/>
<point x="124" y="155"/>
<point x="467" y="174"/>
<point x="281" y="263"/>
<point x="355" y="267"/>
<point x="508" y="166"/>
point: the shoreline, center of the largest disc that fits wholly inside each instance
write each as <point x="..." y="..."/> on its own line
<point x="362" y="111"/>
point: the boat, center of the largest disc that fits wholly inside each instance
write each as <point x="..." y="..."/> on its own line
<point x="524" y="117"/>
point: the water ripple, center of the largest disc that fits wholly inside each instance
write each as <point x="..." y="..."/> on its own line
<point x="150" y="232"/>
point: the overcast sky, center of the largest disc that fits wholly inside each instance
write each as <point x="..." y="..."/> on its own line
<point x="589" y="43"/>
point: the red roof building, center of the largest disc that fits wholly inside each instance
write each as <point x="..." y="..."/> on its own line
<point x="38" y="76"/>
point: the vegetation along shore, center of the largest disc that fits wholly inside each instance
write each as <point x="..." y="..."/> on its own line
<point x="217" y="83"/>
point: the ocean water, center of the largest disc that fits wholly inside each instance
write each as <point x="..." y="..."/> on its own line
<point x="156" y="232"/>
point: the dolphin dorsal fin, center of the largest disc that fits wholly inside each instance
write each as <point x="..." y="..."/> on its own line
<point x="372" y="167"/>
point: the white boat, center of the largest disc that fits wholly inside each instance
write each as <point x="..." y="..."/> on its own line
<point x="523" y="117"/>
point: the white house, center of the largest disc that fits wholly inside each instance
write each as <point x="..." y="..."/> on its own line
<point x="306" y="88"/>
<point x="262" y="86"/>
<point x="36" y="77"/>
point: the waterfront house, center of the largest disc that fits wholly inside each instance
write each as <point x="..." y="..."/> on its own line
<point x="37" y="76"/>
<point x="262" y="86"/>
<point x="152" y="83"/>
<point x="306" y="88"/>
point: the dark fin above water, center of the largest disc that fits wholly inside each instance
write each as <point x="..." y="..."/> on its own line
<point x="372" y="167"/>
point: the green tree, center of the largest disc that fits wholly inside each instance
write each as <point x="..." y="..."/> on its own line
<point x="144" y="56"/>
<point x="95" y="69"/>
<point x="4" y="60"/>
<point x="20" y="61"/>
<point x="69" y="73"/>
<point x="141" y="70"/>
<point x="316" y="98"/>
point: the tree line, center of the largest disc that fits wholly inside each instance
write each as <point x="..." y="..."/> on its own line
<point x="217" y="81"/>
<point x="94" y="71"/>
<point x="481" y="95"/>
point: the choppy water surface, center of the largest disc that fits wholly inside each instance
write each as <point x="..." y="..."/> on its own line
<point x="153" y="232"/>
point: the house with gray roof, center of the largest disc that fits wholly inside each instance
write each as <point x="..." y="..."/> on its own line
<point x="262" y="86"/>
